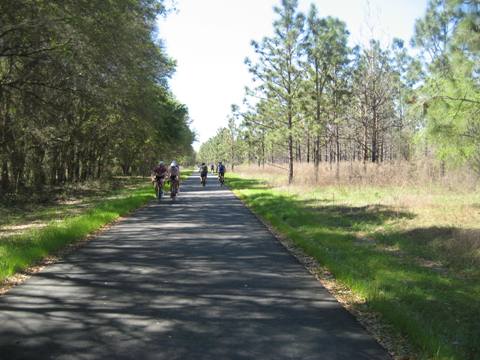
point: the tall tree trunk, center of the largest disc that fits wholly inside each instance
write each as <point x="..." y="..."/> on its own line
<point x="331" y="157"/>
<point x="308" y="148"/>
<point x="5" y="131"/>
<point x="99" y="167"/>
<point x="290" y="124"/>
<point x="125" y="168"/>
<point x="382" y="149"/>
<point x="337" y="143"/>
<point x="290" y="146"/>
<point x="77" y="164"/>
<point x="318" y="155"/>
<point x="374" y="148"/>
<point x="5" y="183"/>
<point x="365" y="146"/>
<point x="263" y="152"/>
<point x="326" y="152"/>
<point x="17" y="161"/>
<point x="54" y="159"/>
<point x="38" y="171"/>
<point x="375" y="138"/>
<point x="290" y="157"/>
<point x="317" y="158"/>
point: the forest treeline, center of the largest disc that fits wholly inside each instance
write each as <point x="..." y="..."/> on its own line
<point x="84" y="92"/>
<point x="318" y="99"/>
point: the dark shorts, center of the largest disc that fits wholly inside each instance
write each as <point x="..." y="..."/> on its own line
<point x="203" y="174"/>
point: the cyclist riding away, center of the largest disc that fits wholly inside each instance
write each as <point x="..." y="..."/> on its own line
<point x="221" y="173"/>
<point x="158" y="178"/>
<point x="174" y="177"/>
<point x="203" y="174"/>
<point x="212" y="168"/>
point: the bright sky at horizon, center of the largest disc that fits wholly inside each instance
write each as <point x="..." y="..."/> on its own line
<point x="210" y="39"/>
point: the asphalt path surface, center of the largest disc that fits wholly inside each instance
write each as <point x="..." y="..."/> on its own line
<point x="199" y="278"/>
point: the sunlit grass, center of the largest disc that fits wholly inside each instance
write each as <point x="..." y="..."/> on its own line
<point x="41" y="208"/>
<point x="396" y="256"/>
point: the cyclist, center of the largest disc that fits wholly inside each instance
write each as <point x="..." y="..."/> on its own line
<point x="221" y="172"/>
<point x="158" y="174"/>
<point x="174" y="172"/>
<point x="203" y="174"/>
<point x="212" y="168"/>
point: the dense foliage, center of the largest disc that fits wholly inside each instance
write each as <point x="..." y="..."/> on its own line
<point x="83" y="92"/>
<point x="449" y="37"/>
<point x="318" y="99"/>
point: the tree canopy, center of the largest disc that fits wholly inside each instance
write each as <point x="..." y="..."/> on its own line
<point x="318" y="99"/>
<point x="84" y="91"/>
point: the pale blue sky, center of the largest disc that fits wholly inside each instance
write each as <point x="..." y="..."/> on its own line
<point x="211" y="38"/>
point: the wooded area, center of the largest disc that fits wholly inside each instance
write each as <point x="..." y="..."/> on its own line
<point x="319" y="100"/>
<point x="84" y="92"/>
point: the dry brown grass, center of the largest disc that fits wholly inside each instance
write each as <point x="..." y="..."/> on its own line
<point x="398" y="174"/>
<point x="449" y="202"/>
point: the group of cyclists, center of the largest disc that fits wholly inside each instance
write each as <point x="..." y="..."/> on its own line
<point x="161" y="172"/>
<point x="220" y="171"/>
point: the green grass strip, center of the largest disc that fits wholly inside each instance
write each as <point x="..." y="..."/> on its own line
<point x="18" y="252"/>
<point x="439" y="313"/>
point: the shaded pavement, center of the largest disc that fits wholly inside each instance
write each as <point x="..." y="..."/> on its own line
<point x="200" y="278"/>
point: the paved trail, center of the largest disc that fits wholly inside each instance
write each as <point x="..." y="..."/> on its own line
<point x="198" y="279"/>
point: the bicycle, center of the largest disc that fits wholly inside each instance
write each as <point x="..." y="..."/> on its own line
<point x="173" y="188"/>
<point x="203" y="180"/>
<point x="221" y="179"/>
<point x="159" y="182"/>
